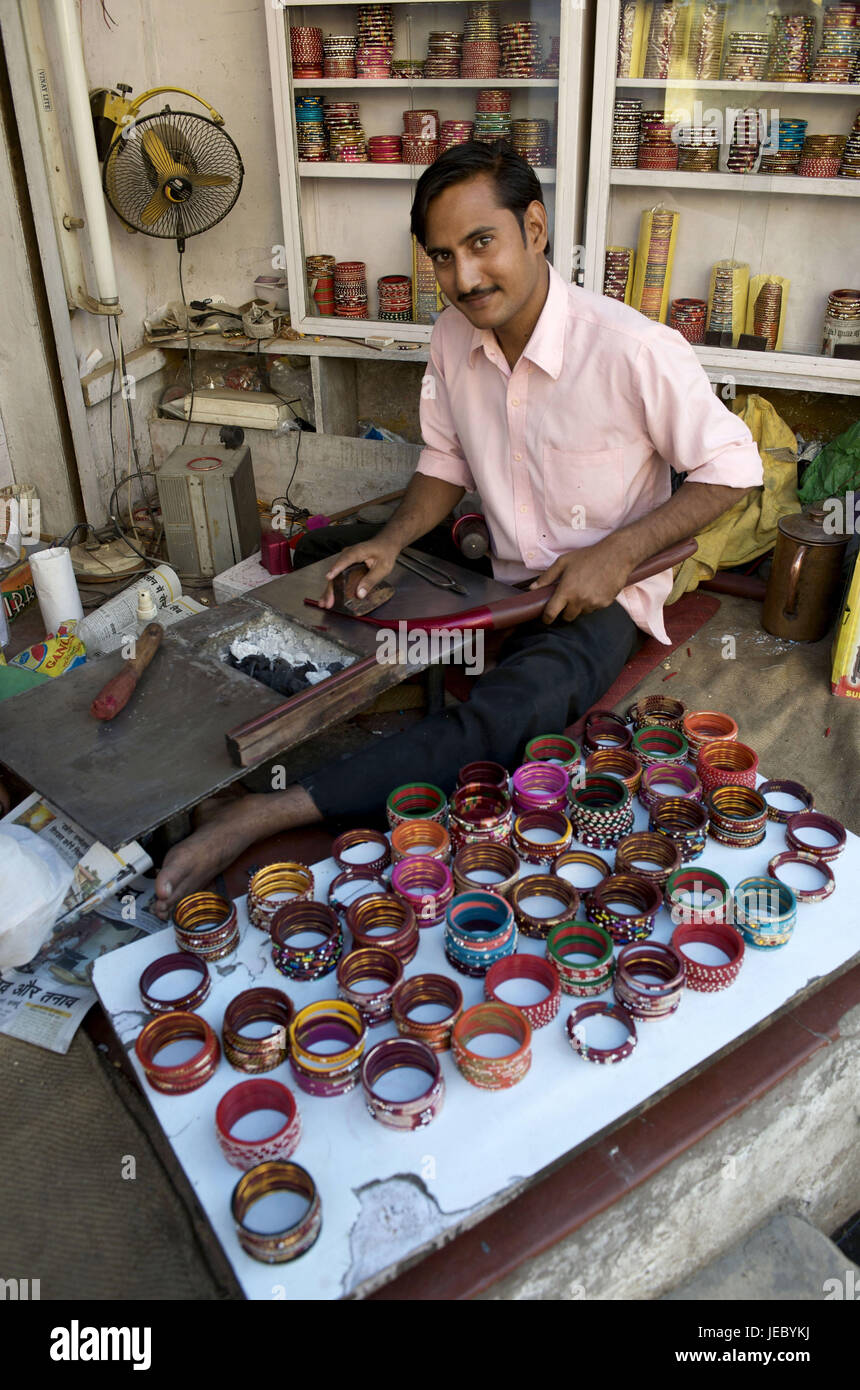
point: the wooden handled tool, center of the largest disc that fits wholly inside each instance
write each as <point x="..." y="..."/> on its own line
<point x="114" y="696"/>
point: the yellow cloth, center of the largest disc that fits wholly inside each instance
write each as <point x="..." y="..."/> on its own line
<point x="749" y="529"/>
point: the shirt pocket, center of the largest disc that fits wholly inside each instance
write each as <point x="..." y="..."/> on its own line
<point x="584" y="489"/>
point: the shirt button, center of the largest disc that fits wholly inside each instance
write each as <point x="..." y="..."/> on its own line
<point x="530" y="554"/>
<point x="523" y="509"/>
<point x="515" y="401"/>
<point x="518" y="458"/>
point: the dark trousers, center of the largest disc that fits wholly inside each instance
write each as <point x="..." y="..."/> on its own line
<point x="545" y="678"/>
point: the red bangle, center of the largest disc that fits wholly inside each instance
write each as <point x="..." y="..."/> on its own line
<point x="243" y="1099"/>
<point x="814" y="820"/>
<point x="708" y="979"/>
<point x="167" y="965"/>
<point x="634" y="987"/>
<point x="426" y="838"/>
<point x="541" y="851"/>
<point x="604" y="1055"/>
<point x="699" y="881"/>
<point x="425" y="885"/>
<point x="527" y="967"/>
<point x="207" y="925"/>
<point x="339" y="902"/>
<point x="804" y="895"/>
<point x="259" y="1005"/>
<point x="350" y="839"/>
<point x="387" y="1056"/>
<point x="416" y="801"/>
<point x="794" y="789"/>
<point x="492" y="1073"/>
<point x="279" y="1246"/>
<point x="268" y="886"/>
<point x="558" y="890"/>
<point x="553" y="748"/>
<point x="706" y="726"/>
<point x="581" y="939"/>
<point x="480" y="814"/>
<point x="369" y="963"/>
<point x="384" y="920"/>
<point x="182" y="1076"/>
<point x="724" y="762"/>
<point x="419" y="990"/>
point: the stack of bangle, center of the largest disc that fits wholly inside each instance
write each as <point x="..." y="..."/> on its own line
<point x="387" y="1056"/>
<point x="708" y="979"/>
<point x="794" y="789"/>
<point x="416" y="801"/>
<point x="327" y="1073"/>
<point x="712" y="891"/>
<point x="682" y="781"/>
<point x="415" y="993"/>
<point x="649" y="855"/>
<point x="738" y="817"/>
<point x="685" y="822"/>
<point x="541" y="851"/>
<point x="426" y="885"/>
<point x="634" y="985"/>
<point x="280" y="1246"/>
<point x="350" y="885"/>
<point x="581" y="939"/>
<point x="655" y="746"/>
<point x="657" y="711"/>
<point x="479" y="930"/>
<point x="601" y="812"/>
<point x="765" y="912"/>
<point x="640" y="894"/>
<point x="479" y="815"/>
<point x="207" y="925"/>
<point x="605" y="729"/>
<point x="425" y="837"/>
<point x="554" y="748"/>
<point x="485" y="774"/>
<point x="267" y="887"/>
<point x="550" y="886"/>
<point x="473" y="863"/>
<point x="539" y="787"/>
<point x="604" y="1055"/>
<point x="574" y="859"/>
<point x="369" y="963"/>
<point x="167" y="965"/>
<point x="804" y="895"/>
<point x="352" y="840"/>
<point x="381" y="919"/>
<point x="724" y="762"/>
<point x="616" y="762"/>
<point x="492" y="1073"/>
<point x="258" y="1005"/>
<point x="527" y="967"/>
<point x="814" y="820"/>
<point x="704" y="726"/>
<point x="306" y="962"/>
<point x="181" y="1076"/>
<point x="244" y="1099"/>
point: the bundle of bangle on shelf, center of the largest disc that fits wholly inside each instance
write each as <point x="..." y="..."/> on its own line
<point x="580" y="939"/>
<point x="648" y="980"/>
<point x="544" y="889"/>
<point x="419" y="991"/>
<point x="479" y="930"/>
<point x="327" y="1074"/>
<point x="541" y="971"/>
<point x="492" y="1073"/>
<point x="381" y="919"/>
<point x="258" y="1005"/>
<point x="246" y="1098"/>
<point x="270" y="887"/>
<point x="387" y="1056"/>
<point x="207" y="925"/>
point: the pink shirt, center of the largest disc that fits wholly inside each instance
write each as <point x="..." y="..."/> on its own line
<point x="576" y="440"/>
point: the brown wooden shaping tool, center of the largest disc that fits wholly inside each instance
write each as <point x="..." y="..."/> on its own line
<point x="114" y="696"/>
<point x="346" y="599"/>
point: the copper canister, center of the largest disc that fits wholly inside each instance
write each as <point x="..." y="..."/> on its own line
<point x="805" y="581"/>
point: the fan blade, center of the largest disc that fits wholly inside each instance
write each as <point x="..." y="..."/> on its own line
<point x="155" y="208"/>
<point x="210" y="180"/>
<point x="160" y="157"/>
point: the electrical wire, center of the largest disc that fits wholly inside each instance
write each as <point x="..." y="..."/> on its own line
<point x="181" y="250"/>
<point x="296" y="514"/>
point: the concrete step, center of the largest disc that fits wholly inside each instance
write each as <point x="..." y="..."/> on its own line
<point x="786" y="1259"/>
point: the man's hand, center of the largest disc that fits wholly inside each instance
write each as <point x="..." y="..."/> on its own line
<point x="378" y="555"/>
<point x="584" y="580"/>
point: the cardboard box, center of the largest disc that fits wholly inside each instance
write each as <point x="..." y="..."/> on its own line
<point x="17" y="589"/>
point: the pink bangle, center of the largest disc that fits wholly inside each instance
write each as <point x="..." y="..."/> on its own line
<point x="540" y="787"/>
<point x="243" y="1099"/>
<point x="425" y="885"/>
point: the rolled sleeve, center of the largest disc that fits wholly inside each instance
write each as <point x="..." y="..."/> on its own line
<point x="690" y="427"/>
<point x="442" y="457"/>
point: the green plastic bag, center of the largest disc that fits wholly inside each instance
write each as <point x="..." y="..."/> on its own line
<point x="835" y="471"/>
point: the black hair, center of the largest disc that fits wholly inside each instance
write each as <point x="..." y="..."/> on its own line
<point x="516" y="182"/>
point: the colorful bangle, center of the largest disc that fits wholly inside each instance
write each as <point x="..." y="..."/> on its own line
<point x="416" y="801"/>
<point x="473" y="863"/>
<point x="327" y="1074"/>
<point x="634" y="983"/>
<point x="605" y="729"/>
<point x="685" y="822"/>
<point x="426" y="885"/>
<point x="804" y="895"/>
<point x="640" y="894"/>
<point x="480" y="814"/>
<point x="725" y="762"/>
<point x="168" y="965"/>
<point x="426" y="838"/>
<point x="207" y="925"/>
<point x="814" y="820"/>
<point x="540" y="851"/>
<point x="794" y="789"/>
<point x="704" y="726"/>
<point x="657" y="711"/>
<point x="581" y="939"/>
<point x="351" y="839"/>
<point x="258" y="1005"/>
<point x="374" y="883"/>
<point x="549" y="886"/>
<point x="765" y="912"/>
<point x="656" y="746"/>
<point x="539" y="787"/>
<point x="649" y="855"/>
<point x="616" y="762"/>
<point x="553" y="748"/>
<point x="603" y="1055"/>
<point x="381" y="919"/>
<point x="492" y="1073"/>
<point x="386" y="1057"/>
<point x="702" y="883"/>
<point x="279" y="1246"/>
<point x="268" y="887"/>
<point x="705" y="978"/>
<point x="601" y="812"/>
<point x="415" y="993"/>
<point x="306" y="962"/>
<point x="483" y="774"/>
<point x="244" y="1099"/>
<point x="181" y="1076"/>
<point x="369" y="963"/>
<point x="681" y="779"/>
<point x="479" y="930"/>
<point x="738" y="817"/>
<point x="584" y="858"/>
<point x="527" y="967"/>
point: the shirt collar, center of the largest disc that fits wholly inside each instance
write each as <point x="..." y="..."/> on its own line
<point x="546" y="345"/>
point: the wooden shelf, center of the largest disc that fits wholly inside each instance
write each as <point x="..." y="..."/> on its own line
<point x="326" y="169"/>
<point x="309" y="346"/>
<point x="736" y="183"/>
<point x="325" y="84"/>
<point x="830" y="89"/>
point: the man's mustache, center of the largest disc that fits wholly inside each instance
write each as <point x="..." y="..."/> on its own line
<point x="477" y="294"/>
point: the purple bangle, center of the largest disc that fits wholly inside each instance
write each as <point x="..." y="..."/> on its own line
<point x="426" y="885"/>
<point x="683" y="778"/>
<point x="166" y="965"/>
<point x="794" y="789"/>
<point x="540" y="787"/>
<point x="327" y="1083"/>
<point x="387" y="1056"/>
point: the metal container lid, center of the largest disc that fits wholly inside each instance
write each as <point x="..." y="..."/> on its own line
<point x="808" y="528"/>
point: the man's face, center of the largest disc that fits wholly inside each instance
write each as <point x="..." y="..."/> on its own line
<point x="477" y="249"/>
